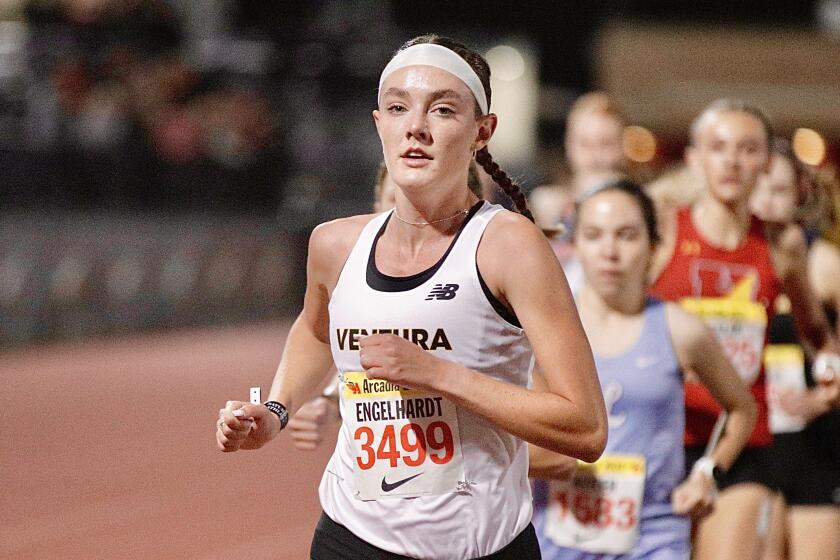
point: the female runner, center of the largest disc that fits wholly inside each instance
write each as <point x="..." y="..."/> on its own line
<point x="728" y="267"/>
<point x="423" y="310"/>
<point x="805" y="456"/>
<point x="635" y="501"/>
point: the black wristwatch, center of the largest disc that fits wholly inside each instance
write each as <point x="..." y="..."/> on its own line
<point x="280" y="410"/>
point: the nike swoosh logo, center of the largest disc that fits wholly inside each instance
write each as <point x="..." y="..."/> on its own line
<point x="387" y="487"/>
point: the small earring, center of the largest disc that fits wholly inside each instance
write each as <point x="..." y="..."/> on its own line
<point x="473" y="156"/>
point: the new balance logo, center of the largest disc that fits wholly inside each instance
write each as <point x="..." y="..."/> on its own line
<point x="443" y="291"/>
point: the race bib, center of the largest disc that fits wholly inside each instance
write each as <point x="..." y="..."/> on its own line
<point x="406" y="442"/>
<point x="784" y="365"/>
<point x="598" y="509"/>
<point x="739" y="325"/>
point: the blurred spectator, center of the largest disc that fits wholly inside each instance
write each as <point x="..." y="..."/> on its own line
<point x="137" y="124"/>
<point x="594" y="154"/>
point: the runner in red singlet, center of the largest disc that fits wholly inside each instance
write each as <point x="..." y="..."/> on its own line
<point x="728" y="267"/>
<point x="729" y="288"/>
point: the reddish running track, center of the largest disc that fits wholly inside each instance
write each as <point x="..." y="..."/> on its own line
<point x="109" y="452"/>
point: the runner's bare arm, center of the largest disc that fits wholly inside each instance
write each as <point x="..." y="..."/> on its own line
<point x="699" y="351"/>
<point x="790" y="259"/>
<point x="519" y="267"/>
<point x="667" y="226"/>
<point x="543" y="463"/>
<point x="306" y="357"/>
<point x="570" y="417"/>
<point x="549" y="465"/>
<point x="824" y="276"/>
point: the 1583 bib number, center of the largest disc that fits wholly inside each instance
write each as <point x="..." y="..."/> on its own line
<point x="599" y="511"/>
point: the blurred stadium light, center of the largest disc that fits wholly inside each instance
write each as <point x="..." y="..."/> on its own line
<point x="515" y="85"/>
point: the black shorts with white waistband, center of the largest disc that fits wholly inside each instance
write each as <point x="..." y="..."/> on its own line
<point x="335" y="542"/>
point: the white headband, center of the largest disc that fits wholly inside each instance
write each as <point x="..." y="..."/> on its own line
<point x="428" y="54"/>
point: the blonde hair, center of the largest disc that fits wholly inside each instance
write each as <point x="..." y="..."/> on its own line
<point x="728" y="105"/>
<point x="598" y="102"/>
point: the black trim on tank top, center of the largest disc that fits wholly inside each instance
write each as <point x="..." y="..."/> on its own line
<point x="503" y="310"/>
<point x="384" y="283"/>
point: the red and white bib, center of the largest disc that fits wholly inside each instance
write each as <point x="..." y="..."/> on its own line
<point x="407" y="443"/>
<point x="598" y="509"/>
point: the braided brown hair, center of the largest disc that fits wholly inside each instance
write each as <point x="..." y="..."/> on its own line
<point x="815" y="192"/>
<point x="485" y="160"/>
<point x="482" y="156"/>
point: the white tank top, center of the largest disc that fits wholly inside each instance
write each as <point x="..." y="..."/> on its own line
<point x="466" y="494"/>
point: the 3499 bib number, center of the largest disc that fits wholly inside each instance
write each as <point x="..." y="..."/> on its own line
<point x="413" y="445"/>
<point x="404" y="443"/>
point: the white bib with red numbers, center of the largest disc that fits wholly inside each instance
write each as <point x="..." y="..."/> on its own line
<point x="740" y="325"/>
<point x="784" y="365"/>
<point x="598" y="509"/>
<point x="406" y="442"/>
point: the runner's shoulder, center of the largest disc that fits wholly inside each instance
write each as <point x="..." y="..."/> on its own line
<point x="687" y="330"/>
<point x="335" y="239"/>
<point x="825" y="256"/>
<point x="512" y="231"/>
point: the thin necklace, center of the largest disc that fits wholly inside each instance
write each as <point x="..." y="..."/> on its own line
<point x="423" y="224"/>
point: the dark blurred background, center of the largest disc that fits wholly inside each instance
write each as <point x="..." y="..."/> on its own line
<point x="164" y="161"/>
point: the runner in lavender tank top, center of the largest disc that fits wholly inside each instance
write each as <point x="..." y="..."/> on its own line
<point x="635" y="502"/>
<point x="644" y="397"/>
